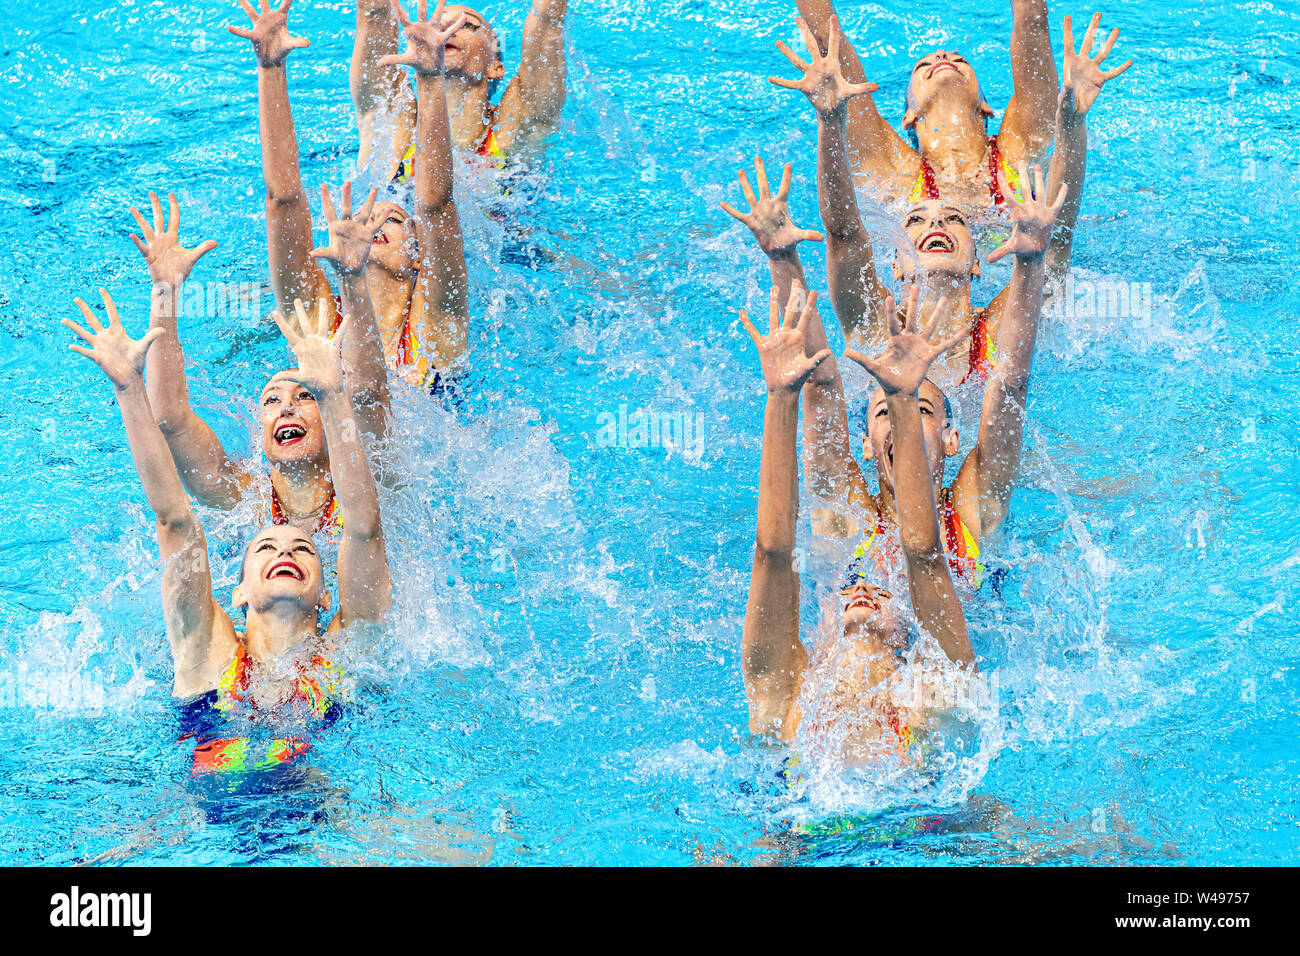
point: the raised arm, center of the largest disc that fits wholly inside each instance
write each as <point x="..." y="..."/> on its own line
<point x="365" y="373"/>
<point x="197" y="629"/>
<point x="829" y="466"/>
<point x="772" y="656"/>
<point x="441" y="297"/>
<point x="982" y="490"/>
<point x="1082" y="80"/>
<point x="379" y="90"/>
<point x="900" y="371"/>
<point x="205" y="468"/>
<point x="365" y="583"/>
<point x="531" y="104"/>
<point x="878" y="151"/>
<point x="294" y="273"/>
<point x="1026" y="130"/>
<point x="856" y="291"/>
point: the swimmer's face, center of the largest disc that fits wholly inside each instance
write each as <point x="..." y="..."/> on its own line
<point x="940" y="237"/>
<point x="291" y="425"/>
<point x="393" y="248"/>
<point x="473" y="51"/>
<point x="941" y="73"/>
<point x="281" y="567"/>
<point x="940" y="441"/>
<point x="868" y="610"/>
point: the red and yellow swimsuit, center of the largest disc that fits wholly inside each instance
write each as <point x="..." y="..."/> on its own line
<point x="488" y="147"/>
<point x="316" y="694"/>
<point x="926" y="186"/>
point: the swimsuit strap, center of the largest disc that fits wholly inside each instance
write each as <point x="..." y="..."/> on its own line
<point x="963" y="547"/>
<point x="983" y="350"/>
<point x="925" y="187"/>
<point x="331" y="518"/>
<point x="491" y="148"/>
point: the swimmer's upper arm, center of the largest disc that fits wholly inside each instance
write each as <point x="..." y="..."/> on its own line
<point x="1026" y="130"/>
<point x="535" y="96"/>
<point x="197" y="628"/>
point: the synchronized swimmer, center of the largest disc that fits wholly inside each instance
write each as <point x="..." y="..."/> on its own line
<point x="385" y="306"/>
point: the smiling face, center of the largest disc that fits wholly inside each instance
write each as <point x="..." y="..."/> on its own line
<point x="473" y="51"/>
<point x="281" y="568"/>
<point x="869" y="612"/>
<point x="291" y="425"/>
<point x="941" y="438"/>
<point x="943" y="73"/>
<point x="393" y="248"/>
<point x="940" y="239"/>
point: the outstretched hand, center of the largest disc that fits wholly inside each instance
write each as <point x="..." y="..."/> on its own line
<point x="822" y="81"/>
<point x="270" y="33"/>
<point x="118" y="355"/>
<point x="1082" y="76"/>
<point x="1031" y="220"/>
<point x="425" y="38"/>
<point x="351" y="234"/>
<point x="781" y="351"/>
<point x="320" y="362"/>
<point x="769" y="216"/>
<point x="906" y="361"/>
<point x="169" y="262"/>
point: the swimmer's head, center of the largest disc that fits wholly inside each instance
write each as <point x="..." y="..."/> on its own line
<point x="869" y="612"/>
<point x="943" y="74"/>
<point x="292" y="433"/>
<point x="941" y="439"/>
<point x="939" y="242"/>
<point x="281" y="571"/>
<point x="473" y="52"/>
<point x="393" y="248"/>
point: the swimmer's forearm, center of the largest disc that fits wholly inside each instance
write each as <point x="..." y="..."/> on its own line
<point x="364" y="368"/>
<point x="850" y="266"/>
<point x="929" y="579"/>
<point x="876" y="143"/>
<point x="1002" y="416"/>
<point x="353" y="482"/>
<point x="772" y="657"/>
<point x="153" y="460"/>
<point x="279" y="137"/>
<point x="365" y="583"/>
<point x="294" y="273"/>
<point x="204" y="467"/>
<point x="443" y="280"/>
<point x="778" y="482"/>
<point x="918" y="523"/>
<point x="1069" y="169"/>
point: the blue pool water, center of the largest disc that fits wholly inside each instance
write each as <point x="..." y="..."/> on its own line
<point x="561" y="683"/>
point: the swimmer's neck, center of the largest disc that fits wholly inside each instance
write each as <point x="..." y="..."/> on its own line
<point x="871" y="652"/>
<point x="274" y="633"/>
<point x="468" y="110"/>
<point x="952" y="138"/>
<point x="391" y="295"/>
<point x="304" y="490"/>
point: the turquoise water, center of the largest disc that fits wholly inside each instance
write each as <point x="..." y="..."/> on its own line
<point x="561" y="684"/>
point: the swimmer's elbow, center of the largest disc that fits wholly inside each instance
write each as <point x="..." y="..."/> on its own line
<point x="279" y="200"/>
